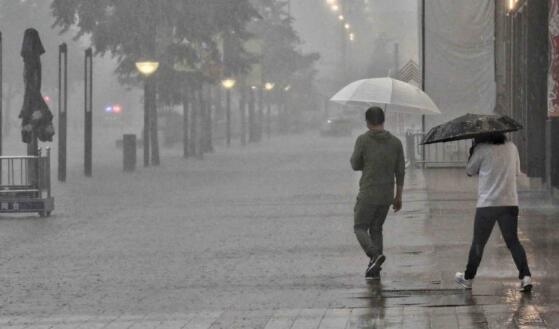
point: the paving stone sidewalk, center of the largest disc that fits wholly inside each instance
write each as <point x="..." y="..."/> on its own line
<point x="262" y="237"/>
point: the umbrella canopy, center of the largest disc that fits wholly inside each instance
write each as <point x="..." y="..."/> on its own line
<point x="470" y="126"/>
<point x="397" y="96"/>
<point x="36" y="118"/>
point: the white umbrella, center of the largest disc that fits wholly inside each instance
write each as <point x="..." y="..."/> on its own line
<point x="395" y="95"/>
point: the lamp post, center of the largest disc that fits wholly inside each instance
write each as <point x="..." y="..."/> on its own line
<point x="147" y="69"/>
<point x="62" y="110"/>
<point x="228" y="84"/>
<point x="252" y="130"/>
<point x="286" y="120"/>
<point x="88" y="112"/>
<point x="1" y="95"/>
<point x="269" y="86"/>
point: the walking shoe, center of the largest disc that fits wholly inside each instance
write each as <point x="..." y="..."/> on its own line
<point x="375" y="266"/>
<point x="526" y="284"/>
<point x="460" y="278"/>
<point x="373" y="275"/>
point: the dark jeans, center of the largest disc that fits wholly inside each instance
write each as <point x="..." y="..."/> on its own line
<point x="369" y="219"/>
<point x="507" y="217"/>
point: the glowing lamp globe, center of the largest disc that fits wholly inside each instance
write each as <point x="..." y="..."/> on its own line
<point x="269" y="86"/>
<point x="228" y="83"/>
<point x="147" y="68"/>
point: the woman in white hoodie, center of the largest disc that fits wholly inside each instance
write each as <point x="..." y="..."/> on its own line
<point x="496" y="161"/>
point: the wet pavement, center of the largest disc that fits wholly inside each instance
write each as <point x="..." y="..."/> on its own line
<point x="262" y="237"/>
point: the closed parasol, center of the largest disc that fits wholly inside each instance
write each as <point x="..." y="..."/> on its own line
<point x="35" y="115"/>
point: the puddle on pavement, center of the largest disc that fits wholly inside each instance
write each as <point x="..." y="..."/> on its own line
<point x="430" y="298"/>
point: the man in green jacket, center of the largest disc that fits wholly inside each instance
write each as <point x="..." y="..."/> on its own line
<point x="380" y="157"/>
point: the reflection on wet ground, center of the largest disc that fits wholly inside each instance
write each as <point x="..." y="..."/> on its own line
<point x="449" y="308"/>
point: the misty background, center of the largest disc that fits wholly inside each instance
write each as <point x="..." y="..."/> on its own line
<point x="385" y="32"/>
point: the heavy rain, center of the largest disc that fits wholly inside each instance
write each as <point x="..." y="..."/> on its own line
<point x="267" y="164"/>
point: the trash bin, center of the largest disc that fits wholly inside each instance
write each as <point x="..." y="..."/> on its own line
<point x="129" y="152"/>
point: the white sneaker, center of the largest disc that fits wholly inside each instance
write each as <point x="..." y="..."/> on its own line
<point x="526" y="284"/>
<point x="461" y="280"/>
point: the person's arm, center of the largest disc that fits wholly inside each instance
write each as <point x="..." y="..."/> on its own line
<point x="517" y="161"/>
<point x="397" y="205"/>
<point x="357" y="156"/>
<point x="474" y="163"/>
<point x="399" y="173"/>
<point x="522" y="180"/>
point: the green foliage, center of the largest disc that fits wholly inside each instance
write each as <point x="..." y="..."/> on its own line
<point x="283" y="62"/>
<point x="194" y="40"/>
<point x="171" y="31"/>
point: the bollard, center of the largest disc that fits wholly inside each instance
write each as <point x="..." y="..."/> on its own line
<point x="129" y="152"/>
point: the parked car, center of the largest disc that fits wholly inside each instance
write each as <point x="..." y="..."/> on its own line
<point x="336" y="127"/>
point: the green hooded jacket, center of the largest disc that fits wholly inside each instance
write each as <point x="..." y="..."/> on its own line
<point x="380" y="156"/>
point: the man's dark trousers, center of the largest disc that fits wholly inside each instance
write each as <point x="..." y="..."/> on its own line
<point x="369" y="219"/>
<point x="507" y="217"/>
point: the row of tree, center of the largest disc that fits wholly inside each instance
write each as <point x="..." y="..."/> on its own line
<point x="198" y="43"/>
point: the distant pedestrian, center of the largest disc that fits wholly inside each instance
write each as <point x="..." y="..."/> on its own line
<point x="380" y="157"/>
<point x="496" y="161"/>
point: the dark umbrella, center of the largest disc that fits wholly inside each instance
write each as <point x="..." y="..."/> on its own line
<point x="470" y="126"/>
<point x="36" y="118"/>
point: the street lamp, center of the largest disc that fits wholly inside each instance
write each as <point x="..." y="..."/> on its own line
<point x="228" y="84"/>
<point x="269" y="86"/>
<point x="512" y="4"/>
<point x="147" y="69"/>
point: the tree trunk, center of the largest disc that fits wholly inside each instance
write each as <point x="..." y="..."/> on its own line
<point x="242" y="110"/>
<point x="194" y="104"/>
<point x="252" y="133"/>
<point x="185" y="121"/>
<point x="218" y="113"/>
<point x="260" y="119"/>
<point x="208" y="134"/>
<point x="200" y="125"/>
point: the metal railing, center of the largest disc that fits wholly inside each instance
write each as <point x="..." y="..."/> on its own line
<point x="440" y="155"/>
<point x="25" y="176"/>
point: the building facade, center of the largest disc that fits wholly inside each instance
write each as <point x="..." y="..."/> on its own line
<point x="522" y="61"/>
